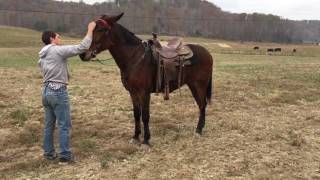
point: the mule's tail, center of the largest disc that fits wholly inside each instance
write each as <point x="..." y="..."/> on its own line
<point x="209" y="91"/>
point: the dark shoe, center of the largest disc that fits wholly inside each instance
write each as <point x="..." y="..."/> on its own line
<point x="50" y="157"/>
<point x="66" y="160"/>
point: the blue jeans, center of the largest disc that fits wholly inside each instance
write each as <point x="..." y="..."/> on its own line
<point x="57" y="107"/>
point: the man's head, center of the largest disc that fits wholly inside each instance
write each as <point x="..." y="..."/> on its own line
<point x="50" y="37"/>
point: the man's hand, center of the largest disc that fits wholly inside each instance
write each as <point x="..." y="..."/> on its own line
<point x="91" y="27"/>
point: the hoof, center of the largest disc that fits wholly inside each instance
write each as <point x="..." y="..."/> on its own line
<point x="199" y="132"/>
<point x="146" y="142"/>
<point x="197" y="135"/>
<point x="134" y="141"/>
<point x="145" y="147"/>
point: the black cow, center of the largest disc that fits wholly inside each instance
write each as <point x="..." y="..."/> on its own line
<point x="270" y="50"/>
<point x="277" y="50"/>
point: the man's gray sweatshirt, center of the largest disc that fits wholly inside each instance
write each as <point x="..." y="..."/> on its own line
<point x="53" y="60"/>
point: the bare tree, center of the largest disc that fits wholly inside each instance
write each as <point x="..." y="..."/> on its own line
<point x="162" y="16"/>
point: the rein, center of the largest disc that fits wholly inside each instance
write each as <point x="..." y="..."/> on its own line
<point x="137" y="62"/>
<point x="100" y="60"/>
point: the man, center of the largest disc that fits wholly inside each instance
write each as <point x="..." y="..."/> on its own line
<point x="53" y="64"/>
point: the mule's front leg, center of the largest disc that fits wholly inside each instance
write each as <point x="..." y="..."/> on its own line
<point x="137" y="117"/>
<point x="145" y="119"/>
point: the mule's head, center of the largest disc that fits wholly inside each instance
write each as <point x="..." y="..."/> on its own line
<point x="102" y="36"/>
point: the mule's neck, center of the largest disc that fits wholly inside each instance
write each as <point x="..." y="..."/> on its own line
<point x="127" y="49"/>
<point x="126" y="56"/>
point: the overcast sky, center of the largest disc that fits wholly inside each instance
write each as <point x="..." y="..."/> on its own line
<point x="289" y="9"/>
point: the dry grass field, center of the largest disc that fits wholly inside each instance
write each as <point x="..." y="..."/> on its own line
<point x="263" y="123"/>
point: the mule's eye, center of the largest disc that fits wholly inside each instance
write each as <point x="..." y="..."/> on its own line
<point x="102" y="30"/>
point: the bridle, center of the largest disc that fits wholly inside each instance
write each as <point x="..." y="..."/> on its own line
<point x="104" y="23"/>
<point x="106" y="28"/>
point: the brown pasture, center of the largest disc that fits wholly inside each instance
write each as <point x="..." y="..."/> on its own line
<point x="263" y="123"/>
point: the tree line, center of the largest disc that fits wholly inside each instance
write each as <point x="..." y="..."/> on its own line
<point x="166" y="17"/>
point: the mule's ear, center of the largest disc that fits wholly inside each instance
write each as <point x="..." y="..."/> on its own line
<point x="114" y="19"/>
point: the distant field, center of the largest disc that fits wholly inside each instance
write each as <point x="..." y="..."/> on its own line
<point x="13" y="37"/>
<point x="263" y="123"/>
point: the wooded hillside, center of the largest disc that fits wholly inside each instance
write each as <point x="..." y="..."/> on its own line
<point x="167" y="17"/>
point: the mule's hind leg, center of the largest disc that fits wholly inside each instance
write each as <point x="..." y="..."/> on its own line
<point x="198" y="91"/>
<point x="137" y="117"/>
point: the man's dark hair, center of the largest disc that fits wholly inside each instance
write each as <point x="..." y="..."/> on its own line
<point x="46" y="35"/>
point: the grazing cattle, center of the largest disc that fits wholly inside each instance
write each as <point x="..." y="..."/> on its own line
<point x="270" y="50"/>
<point x="294" y="50"/>
<point x="256" y="48"/>
<point x="277" y="50"/>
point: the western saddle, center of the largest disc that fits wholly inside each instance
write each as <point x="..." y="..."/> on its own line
<point x="171" y="57"/>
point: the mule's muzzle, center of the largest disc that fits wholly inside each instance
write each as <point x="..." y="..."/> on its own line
<point x="87" y="56"/>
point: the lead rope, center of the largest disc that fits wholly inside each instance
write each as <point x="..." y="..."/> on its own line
<point x="100" y="60"/>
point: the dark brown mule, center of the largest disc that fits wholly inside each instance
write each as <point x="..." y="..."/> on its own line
<point x="138" y="71"/>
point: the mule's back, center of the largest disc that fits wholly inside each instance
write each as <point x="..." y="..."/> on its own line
<point x="173" y="48"/>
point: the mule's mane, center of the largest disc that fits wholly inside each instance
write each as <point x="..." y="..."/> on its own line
<point x="128" y="36"/>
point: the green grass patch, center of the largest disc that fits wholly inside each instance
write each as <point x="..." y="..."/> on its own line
<point x="14" y="37"/>
<point x="19" y="117"/>
<point x="86" y="145"/>
<point x="117" y="153"/>
<point x="105" y="159"/>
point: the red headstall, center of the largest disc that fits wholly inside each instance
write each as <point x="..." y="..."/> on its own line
<point x="104" y="23"/>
